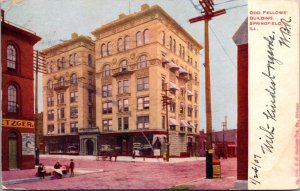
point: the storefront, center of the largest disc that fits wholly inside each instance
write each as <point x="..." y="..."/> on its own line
<point x="64" y="144"/>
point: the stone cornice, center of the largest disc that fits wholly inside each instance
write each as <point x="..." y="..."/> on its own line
<point x="78" y="39"/>
<point x="156" y="12"/>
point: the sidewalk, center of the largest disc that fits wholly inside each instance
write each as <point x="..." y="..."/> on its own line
<point x="126" y="158"/>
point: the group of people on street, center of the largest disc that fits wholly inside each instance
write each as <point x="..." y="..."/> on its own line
<point x="57" y="169"/>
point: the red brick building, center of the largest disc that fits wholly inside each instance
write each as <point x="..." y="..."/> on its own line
<point x="17" y="96"/>
<point x="241" y="40"/>
<point x="224" y="143"/>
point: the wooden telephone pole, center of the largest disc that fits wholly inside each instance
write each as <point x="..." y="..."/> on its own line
<point x="38" y="67"/>
<point x="208" y="14"/>
<point x="167" y="101"/>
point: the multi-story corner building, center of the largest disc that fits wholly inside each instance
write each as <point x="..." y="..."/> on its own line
<point x="17" y="96"/>
<point x="69" y="94"/>
<point x="136" y="55"/>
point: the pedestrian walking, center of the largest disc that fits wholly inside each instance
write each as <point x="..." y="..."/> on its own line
<point x="72" y="165"/>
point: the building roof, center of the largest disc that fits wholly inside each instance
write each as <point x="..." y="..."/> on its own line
<point x="14" y="28"/>
<point x="74" y="38"/>
<point x="127" y="18"/>
<point x="229" y="135"/>
<point x="241" y="35"/>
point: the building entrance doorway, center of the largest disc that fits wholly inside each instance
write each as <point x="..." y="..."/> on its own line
<point x="12" y="151"/>
<point x="90" y="147"/>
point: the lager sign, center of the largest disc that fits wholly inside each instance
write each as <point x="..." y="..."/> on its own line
<point x="17" y="123"/>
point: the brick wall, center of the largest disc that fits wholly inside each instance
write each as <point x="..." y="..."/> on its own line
<point x="242" y="131"/>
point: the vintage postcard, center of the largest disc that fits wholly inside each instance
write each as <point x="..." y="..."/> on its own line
<point x="150" y="94"/>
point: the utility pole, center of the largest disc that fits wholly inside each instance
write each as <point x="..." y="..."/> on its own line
<point x="224" y="125"/>
<point x="166" y="102"/>
<point x="38" y="67"/>
<point x="208" y="14"/>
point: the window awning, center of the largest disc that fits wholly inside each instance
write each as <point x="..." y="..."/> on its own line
<point x="159" y="137"/>
<point x="164" y="60"/>
<point x="191" y="125"/>
<point x="183" y="123"/>
<point x="182" y="71"/>
<point x="173" y="66"/>
<point x="189" y="93"/>
<point x="173" y="122"/>
<point x="173" y="86"/>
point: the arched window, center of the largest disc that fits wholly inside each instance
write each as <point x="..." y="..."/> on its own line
<point x="126" y="42"/>
<point x="50" y="85"/>
<point x="62" y="62"/>
<point x="11" y="57"/>
<point x="171" y="41"/>
<point x="75" y="59"/>
<point x="71" y="60"/>
<point x="12" y="99"/>
<point x="58" y="64"/>
<point x="174" y="45"/>
<point x="103" y="50"/>
<point x="73" y="79"/>
<point x="163" y="38"/>
<point x="142" y="62"/>
<point x="120" y="45"/>
<point x="123" y="65"/>
<point x="61" y="81"/>
<point x="146" y="36"/>
<point x="139" y="39"/>
<point x="106" y="70"/>
<point x="109" y="48"/>
<point x="90" y="60"/>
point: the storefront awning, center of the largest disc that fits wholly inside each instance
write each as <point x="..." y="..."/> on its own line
<point x="159" y="137"/>
<point x="183" y="123"/>
<point x="189" y="93"/>
<point x="173" y="122"/>
<point x="174" y="67"/>
<point x="173" y="86"/>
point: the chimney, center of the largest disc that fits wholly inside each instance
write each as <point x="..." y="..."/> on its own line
<point x="74" y="35"/>
<point x="122" y="15"/>
<point x="2" y="15"/>
<point x="144" y="7"/>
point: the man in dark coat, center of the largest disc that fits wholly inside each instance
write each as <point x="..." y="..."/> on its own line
<point x="72" y="165"/>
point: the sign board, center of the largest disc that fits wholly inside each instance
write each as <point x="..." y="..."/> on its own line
<point x="28" y="144"/>
<point x="17" y="123"/>
<point x="217" y="170"/>
<point x="156" y="152"/>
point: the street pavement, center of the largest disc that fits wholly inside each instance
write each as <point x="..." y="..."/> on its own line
<point x="92" y="174"/>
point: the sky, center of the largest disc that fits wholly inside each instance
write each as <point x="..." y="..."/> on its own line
<point x="55" y="20"/>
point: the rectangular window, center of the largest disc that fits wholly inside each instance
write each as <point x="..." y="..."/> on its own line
<point x="143" y="83"/>
<point x="125" y="86"/>
<point x="61" y="128"/>
<point x="119" y="87"/>
<point x="107" y="90"/>
<point x="143" y="122"/>
<point x="172" y="106"/>
<point x="172" y="127"/>
<point x="196" y="97"/>
<point x="50" y="115"/>
<point x="190" y="111"/>
<point x="143" y="103"/>
<point x="163" y="122"/>
<point x="73" y="97"/>
<point x="189" y="97"/>
<point x="107" y="107"/>
<point x="50" y="128"/>
<point x="125" y="105"/>
<point x="60" y="98"/>
<point x="73" y="112"/>
<point x="119" y="123"/>
<point x="107" y="125"/>
<point x="74" y="127"/>
<point x="90" y="112"/>
<point x="50" y="101"/>
<point x="181" y="108"/>
<point x="120" y="105"/>
<point x="61" y="113"/>
<point x="196" y="112"/>
<point x="125" y="123"/>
